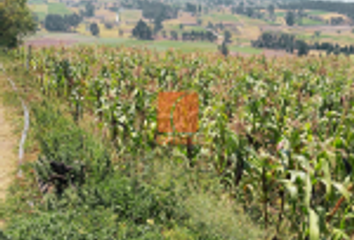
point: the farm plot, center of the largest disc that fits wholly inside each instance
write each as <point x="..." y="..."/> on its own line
<point x="280" y="133"/>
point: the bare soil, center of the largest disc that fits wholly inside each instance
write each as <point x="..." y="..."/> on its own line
<point x="8" y="157"/>
<point x="44" y="42"/>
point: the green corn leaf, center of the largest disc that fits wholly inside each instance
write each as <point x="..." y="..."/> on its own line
<point x="314" y="226"/>
<point x="327" y="176"/>
<point x="342" y="189"/>
<point x="290" y="187"/>
<point x="339" y="234"/>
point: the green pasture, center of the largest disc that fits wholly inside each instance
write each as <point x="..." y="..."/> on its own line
<point x="316" y="12"/>
<point x="280" y="14"/>
<point x="131" y="15"/>
<point x="36" y="2"/>
<point x="245" y="49"/>
<point x="158" y="45"/>
<point x="309" y="22"/>
<point x="58" y="8"/>
<point x="168" y="44"/>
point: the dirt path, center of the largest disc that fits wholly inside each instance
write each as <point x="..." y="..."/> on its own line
<point x="8" y="144"/>
<point x="7" y="155"/>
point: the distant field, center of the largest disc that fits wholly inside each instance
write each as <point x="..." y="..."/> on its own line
<point x="159" y="45"/>
<point x="173" y="27"/>
<point x="309" y="22"/>
<point x="182" y="46"/>
<point x="337" y="38"/>
<point x="316" y="12"/>
<point x="38" y="7"/>
<point x="36" y="1"/>
<point x="324" y="14"/>
<point x="340" y="39"/>
<point x="306" y="37"/>
<point x="131" y="15"/>
<point x="40" y="10"/>
<point x="195" y="28"/>
<point x="280" y="14"/>
<point x="252" y="21"/>
<point x="109" y="15"/>
<point x="41" y="15"/>
<point x="58" y="8"/>
<point x="129" y="42"/>
<point x="221" y="17"/>
<point x="248" y="50"/>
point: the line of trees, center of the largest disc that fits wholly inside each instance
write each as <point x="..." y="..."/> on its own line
<point x="333" y="48"/>
<point x="56" y="22"/>
<point x="251" y="12"/>
<point x="198" y="36"/>
<point x="194" y="36"/>
<point x="158" y="10"/>
<point x="193" y="8"/>
<point x="346" y="8"/>
<point x="288" y="42"/>
<point x="276" y="41"/>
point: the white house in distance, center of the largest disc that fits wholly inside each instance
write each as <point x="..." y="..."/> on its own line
<point x="117" y="17"/>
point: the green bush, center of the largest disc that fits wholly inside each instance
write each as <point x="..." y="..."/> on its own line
<point x="78" y="224"/>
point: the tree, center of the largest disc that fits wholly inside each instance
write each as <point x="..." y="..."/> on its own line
<point x="210" y="36"/>
<point x="202" y="36"/>
<point x="142" y="31"/>
<point x="154" y="9"/>
<point x="94" y="29"/>
<point x="302" y="48"/>
<point x="210" y="25"/>
<point x="174" y="35"/>
<point x="90" y="9"/>
<point x="120" y="32"/>
<point x="223" y="49"/>
<point x="192" y="8"/>
<point x="185" y="36"/>
<point x="271" y="9"/>
<point x="290" y="18"/>
<point x="56" y="23"/>
<point x="108" y="25"/>
<point x="73" y="20"/>
<point x="16" y="21"/>
<point x="336" y="51"/>
<point x="249" y="11"/>
<point x="157" y="25"/>
<point x="227" y="36"/>
<point x="221" y="26"/>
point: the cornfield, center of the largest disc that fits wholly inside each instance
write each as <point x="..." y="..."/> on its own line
<point x="278" y="132"/>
